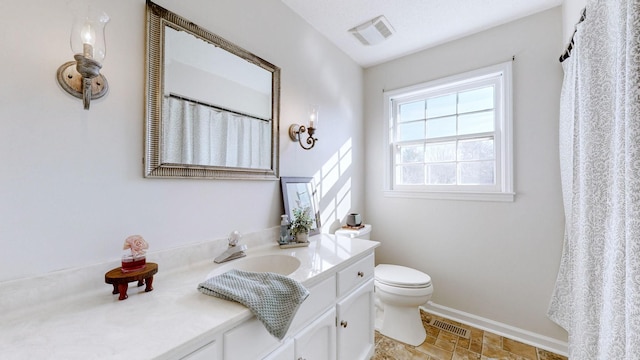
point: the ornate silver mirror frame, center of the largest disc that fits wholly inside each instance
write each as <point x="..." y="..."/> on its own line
<point x="156" y="165"/>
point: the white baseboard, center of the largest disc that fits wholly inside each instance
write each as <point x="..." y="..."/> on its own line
<point x="511" y="332"/>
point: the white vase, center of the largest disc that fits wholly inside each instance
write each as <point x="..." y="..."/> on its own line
<point x="302" y="237"/>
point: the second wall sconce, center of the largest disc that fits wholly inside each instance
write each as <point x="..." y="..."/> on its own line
<point x="296" y="131"/>
<point x="81" y="78"/>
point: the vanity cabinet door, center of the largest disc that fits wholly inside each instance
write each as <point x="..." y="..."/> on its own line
<point x="318" y="340"/>
<point x="284" y="352"/>
<point x="355" y="334"/>
<point x="322" y="296"/>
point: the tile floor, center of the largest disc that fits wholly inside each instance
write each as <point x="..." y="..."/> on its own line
<point x="442" y="345"/>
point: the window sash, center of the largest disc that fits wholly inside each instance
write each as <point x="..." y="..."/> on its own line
<point x="499" y="77"/>
<point x="456" y="161"/>
<point x="424" y="97"/>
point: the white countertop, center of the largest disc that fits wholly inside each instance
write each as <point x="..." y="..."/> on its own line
<point x="95" y="325"/>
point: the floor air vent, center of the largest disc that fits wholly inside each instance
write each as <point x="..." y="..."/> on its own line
<point x="456" y="330"/>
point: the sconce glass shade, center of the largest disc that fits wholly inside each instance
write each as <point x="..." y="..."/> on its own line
<point x="87" y="35"/>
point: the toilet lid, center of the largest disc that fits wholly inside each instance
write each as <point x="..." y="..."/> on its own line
<point x="401" y="276"/>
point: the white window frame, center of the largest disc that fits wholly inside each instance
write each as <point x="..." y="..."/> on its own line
<point x="501" y="76"/>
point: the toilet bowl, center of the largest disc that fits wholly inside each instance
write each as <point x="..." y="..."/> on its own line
<point x="400" y="291"/>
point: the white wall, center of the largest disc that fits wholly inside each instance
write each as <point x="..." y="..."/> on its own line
<point x="495" y="260"/>
<point x="571" y="10"/>
<point x="71" y="187"/>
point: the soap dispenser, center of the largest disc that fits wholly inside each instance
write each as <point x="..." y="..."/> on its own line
<point x="284" y="230"/>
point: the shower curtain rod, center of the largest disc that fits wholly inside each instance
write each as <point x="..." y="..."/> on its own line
<point x="184" y="98"/>
<point x="567" y="52"/>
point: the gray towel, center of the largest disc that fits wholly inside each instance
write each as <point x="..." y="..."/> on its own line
<point x="272" y="298"/>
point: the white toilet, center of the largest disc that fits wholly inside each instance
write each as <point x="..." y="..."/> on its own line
<point x="399" y="293"/>
<point x="401" y="290"/>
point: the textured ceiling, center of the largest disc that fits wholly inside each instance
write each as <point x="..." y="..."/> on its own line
<point x="418" y="24"/>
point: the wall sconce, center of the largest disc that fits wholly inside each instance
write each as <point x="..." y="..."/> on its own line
<point x="296" y="131"/>
<point x="81" y="78"/>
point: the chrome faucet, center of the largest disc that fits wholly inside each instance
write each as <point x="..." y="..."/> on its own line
<point x="234" y="251"/>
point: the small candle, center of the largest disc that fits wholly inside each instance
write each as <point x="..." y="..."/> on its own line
<point x="88" y="36"/>
<point x="313" y="117"/>
<point x="87" y="50"/>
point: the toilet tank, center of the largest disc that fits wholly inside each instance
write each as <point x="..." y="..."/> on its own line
<point x="364" y="233"/>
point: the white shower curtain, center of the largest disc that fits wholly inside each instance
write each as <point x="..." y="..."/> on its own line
<point x="597" y="294"/>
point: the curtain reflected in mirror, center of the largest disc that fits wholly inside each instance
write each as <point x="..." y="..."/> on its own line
<point x="198" y="134"/>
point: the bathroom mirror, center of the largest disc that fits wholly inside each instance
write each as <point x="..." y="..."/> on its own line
<point x="299" y="192"/>
<point x="212" y="108"/>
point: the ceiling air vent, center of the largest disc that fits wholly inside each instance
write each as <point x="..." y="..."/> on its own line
<point x="373" y="31"/>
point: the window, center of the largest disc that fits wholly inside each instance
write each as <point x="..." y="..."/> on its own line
<point x="451" y="138"/>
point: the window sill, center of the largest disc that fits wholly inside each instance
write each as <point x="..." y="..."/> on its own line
<point x="450" y="195"/>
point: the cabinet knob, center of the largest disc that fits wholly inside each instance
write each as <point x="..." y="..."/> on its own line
<point x="343" y="324"/>
<point x="360" y="274"/>
<point x="301" y="358"/>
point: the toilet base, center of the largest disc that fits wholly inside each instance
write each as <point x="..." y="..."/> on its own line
<point x="403" y="324"/>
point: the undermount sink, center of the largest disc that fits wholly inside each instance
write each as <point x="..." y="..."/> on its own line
<point x="275" y="263"/>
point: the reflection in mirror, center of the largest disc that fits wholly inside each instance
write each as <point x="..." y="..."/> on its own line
<point x="299" y="192"/>
<point x="212" y="107"/>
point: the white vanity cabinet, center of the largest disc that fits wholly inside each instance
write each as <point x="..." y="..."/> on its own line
<point x="355" y="311"/>
<point x="250" y="339"/>
<point x="315" y="342"/>
<point x="355" y="338"/>
<point x="318" y="340"/>
<point x="336" y="321"/>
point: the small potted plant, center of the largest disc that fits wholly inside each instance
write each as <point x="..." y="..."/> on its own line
<point x="301" y="224"/>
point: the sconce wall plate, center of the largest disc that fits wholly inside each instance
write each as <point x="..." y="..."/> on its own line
<point x="71" y="81"/>
<point x="294" y="132"/>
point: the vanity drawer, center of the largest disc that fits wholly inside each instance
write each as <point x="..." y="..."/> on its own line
<point x="355" y="275"/>
<point x="321" y="296"/>
<point x="208" y="352"/>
